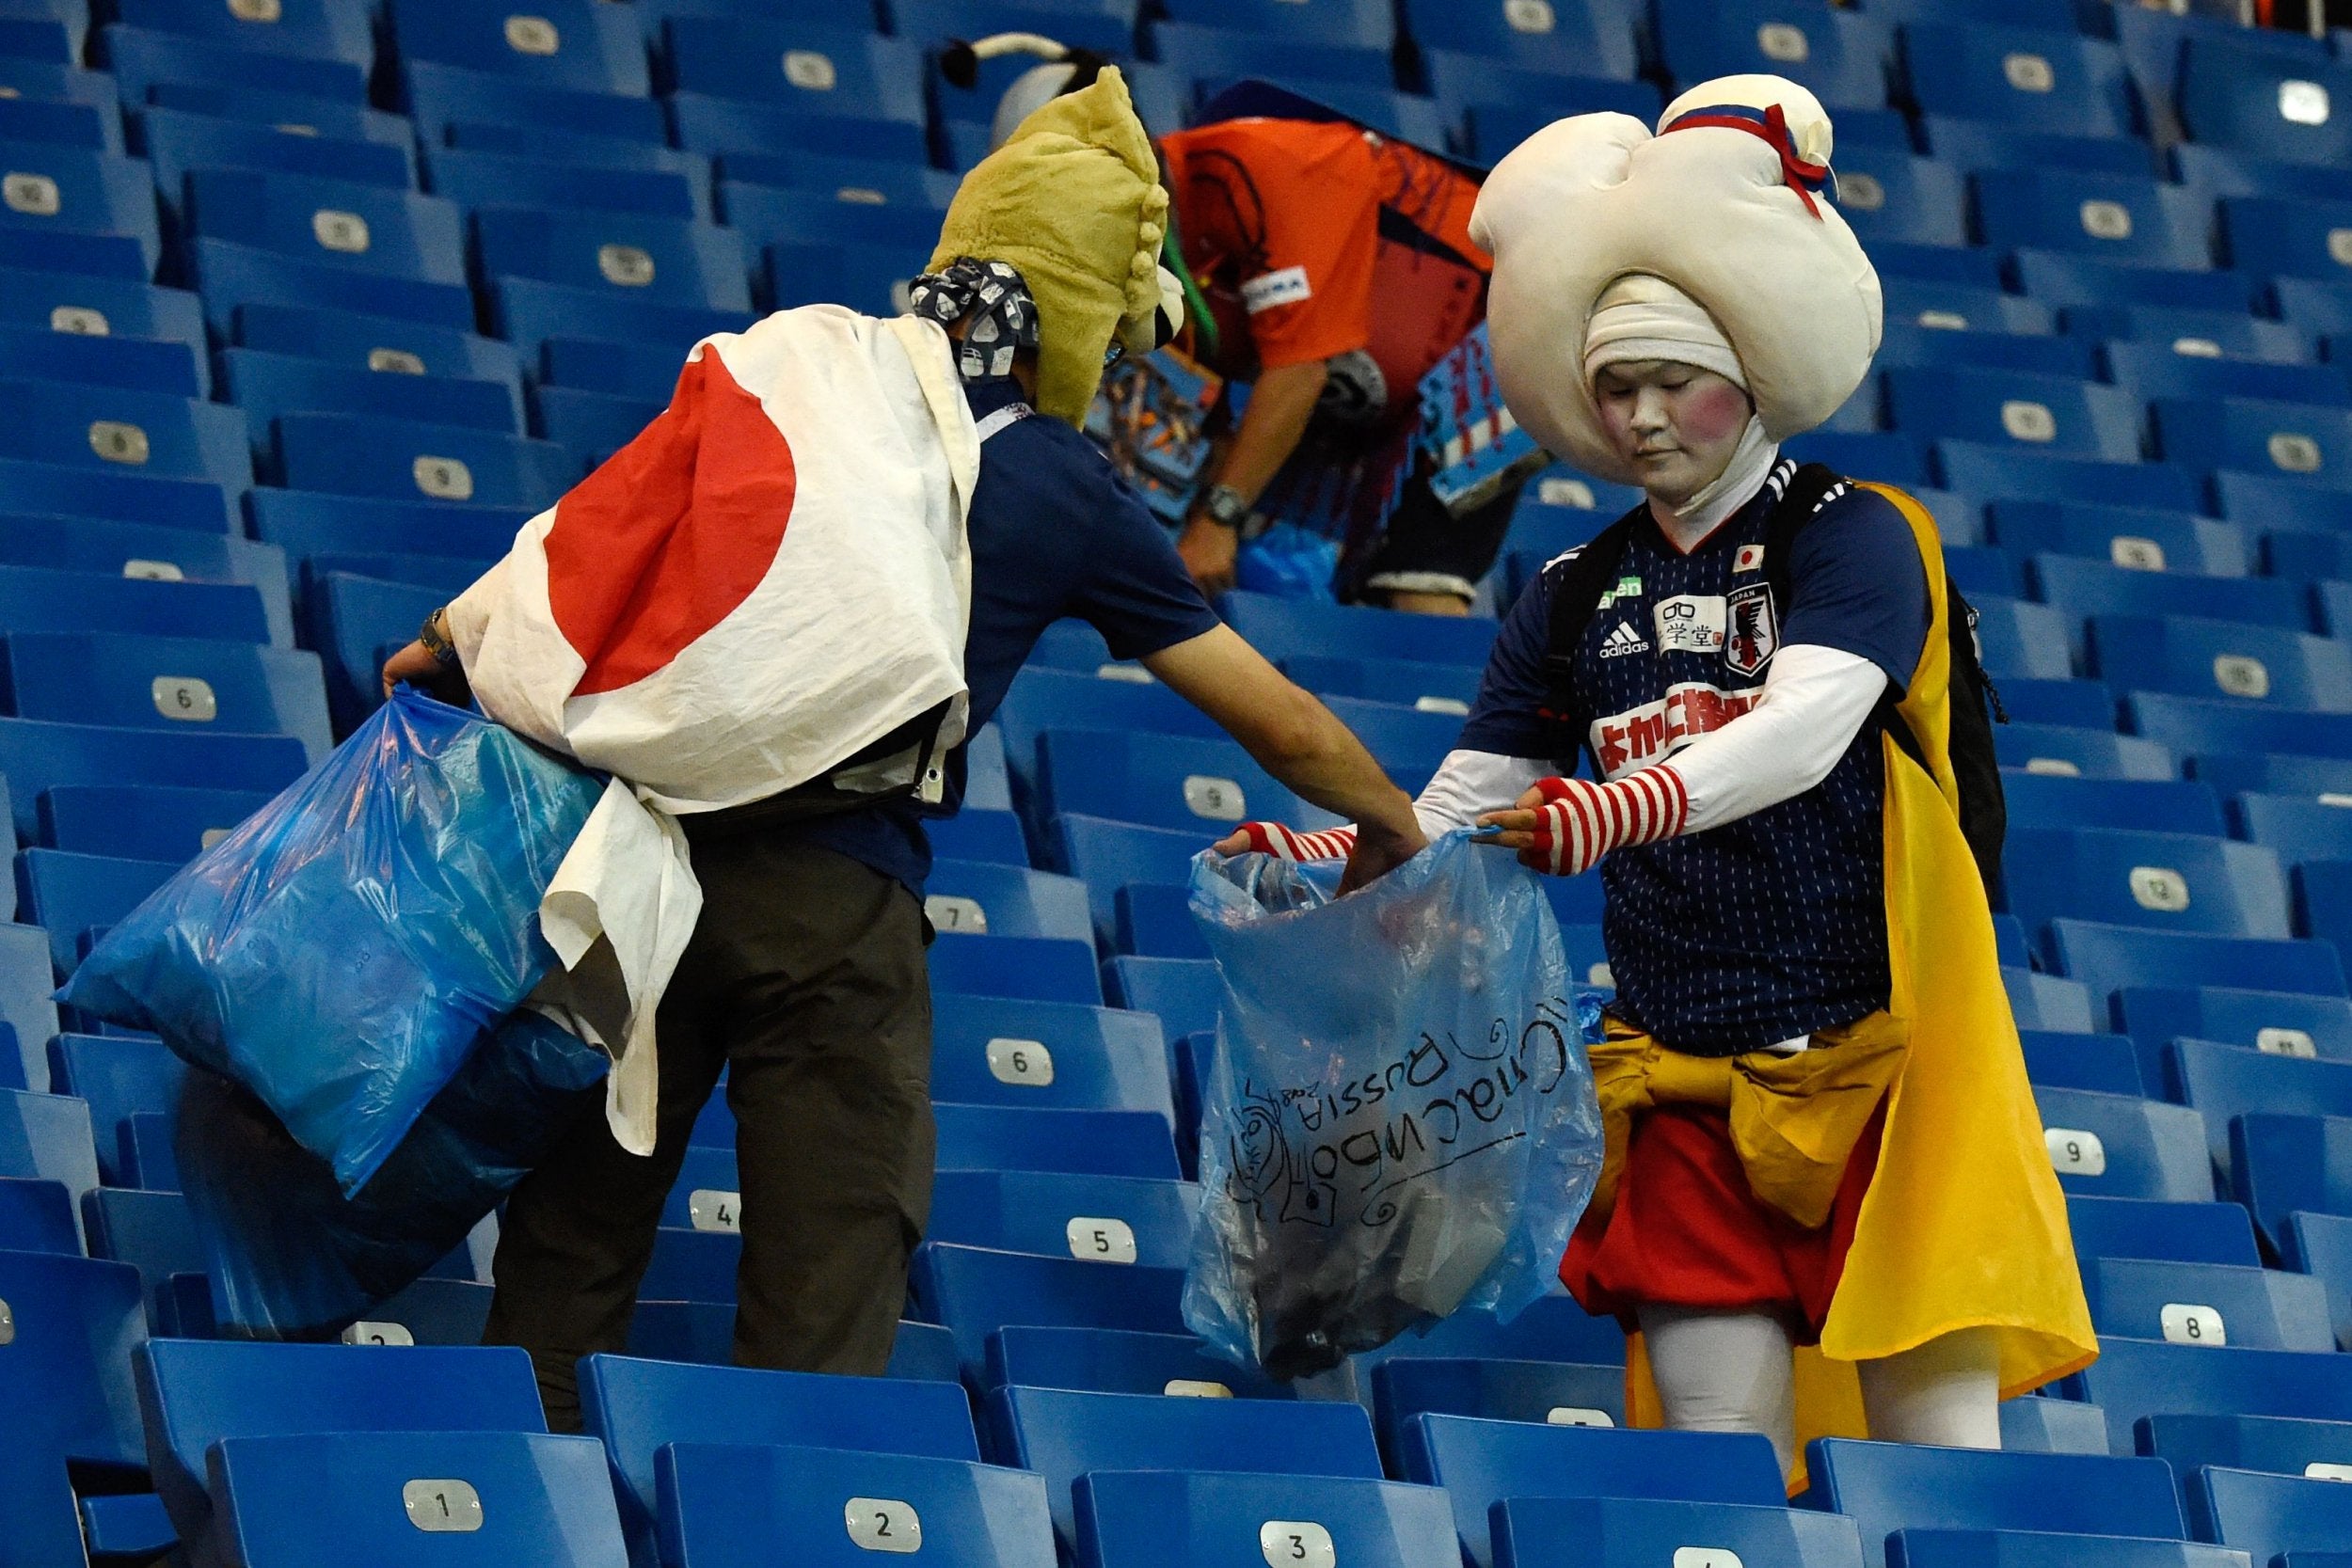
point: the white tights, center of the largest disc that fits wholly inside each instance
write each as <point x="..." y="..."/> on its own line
<point x="1732" y="1371"/>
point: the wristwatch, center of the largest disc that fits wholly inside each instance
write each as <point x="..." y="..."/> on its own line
<point x="1223" y="507"/>
<point x="434" y="634"/>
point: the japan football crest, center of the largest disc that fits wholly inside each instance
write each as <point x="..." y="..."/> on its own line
<point x="1754" y="631"/>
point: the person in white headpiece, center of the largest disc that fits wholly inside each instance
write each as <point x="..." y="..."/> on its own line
<point x="1821" y="1146"/>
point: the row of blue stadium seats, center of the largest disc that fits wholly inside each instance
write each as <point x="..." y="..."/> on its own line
<point x="211" y="1411"/>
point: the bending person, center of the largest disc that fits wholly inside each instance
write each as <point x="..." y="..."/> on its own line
<point x="1819" y="1132"/>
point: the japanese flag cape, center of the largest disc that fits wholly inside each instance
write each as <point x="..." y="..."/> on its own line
<point x="770" y="577"/>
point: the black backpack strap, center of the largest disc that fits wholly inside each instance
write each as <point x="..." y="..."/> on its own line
<point x="1589" y="571"/>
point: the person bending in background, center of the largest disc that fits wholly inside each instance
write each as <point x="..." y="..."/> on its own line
<point x="805" y="976"/>
<point x="1821" y="1148"/>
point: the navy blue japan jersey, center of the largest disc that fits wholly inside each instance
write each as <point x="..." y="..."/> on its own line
<point x="1054" y="532"/>
<point x="1774" y="926"/>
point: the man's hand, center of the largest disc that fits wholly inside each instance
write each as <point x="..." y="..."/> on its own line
<point x="1370" y="853"/>
<point x="1379" y="851"/>
<point x="1565" y="826"/>
<point x="420" y="669"/>
<point x="1208" y="549"/>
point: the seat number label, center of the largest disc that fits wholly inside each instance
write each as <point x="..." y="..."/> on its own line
<point x="948" y="912"/>
<point x="442" y="478"/>
<point x="443" y="1507"/>
<point x="1577" y="1416"/>
<point x="883" y="1525"/>
<point x="709" y="1209"/>
<point x="2075" y="1152"/>
<point x="186" y="698"/>
<point x="1295" y="1544"/>
<point x="378" y="1334"/>
<point x="1101" y="1241"/>
<point x="2186" y="1323"/>
<point x="1027" y="1064"/>
<point x="1218" y="799"/>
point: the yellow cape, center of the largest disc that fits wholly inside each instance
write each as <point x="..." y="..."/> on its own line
<point x="1964" y="1225"/>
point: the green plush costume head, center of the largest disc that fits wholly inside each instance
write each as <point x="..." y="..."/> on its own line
<point x="1073" y="203"/>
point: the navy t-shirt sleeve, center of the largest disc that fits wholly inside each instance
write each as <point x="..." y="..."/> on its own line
<point x="1507" y="719"/>
<point x="1130" y="585"/>
<point x="1856" y="585"/>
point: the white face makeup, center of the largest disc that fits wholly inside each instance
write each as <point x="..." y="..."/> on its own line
<point x="1676" y="425"/>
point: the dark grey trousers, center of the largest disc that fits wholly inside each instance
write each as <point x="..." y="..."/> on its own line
<point x="805" y="978"/>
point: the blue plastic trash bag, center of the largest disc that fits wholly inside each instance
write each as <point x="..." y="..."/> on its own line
<point x="1399" y="1121"/>
<point x="343" y="951"/>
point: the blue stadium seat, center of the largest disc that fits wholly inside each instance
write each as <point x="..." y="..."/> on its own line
<point x="269" y="386"/>
<point x="69" y="190"/>
<point x="2115" y="1146"/>
<point x="1982" y="569"/>
<point x="1842" y="58"/>
<point x="2137" y="1378"/>
<point x="665" y="260"/>
<point x="2263" y="101"/>
<point x="2222" y="1082"/>
<point x="2191" y="332"/>
<point x="2047" y="1004"/>
<point x="167" y="682"/>
<point x="1432" y="688"/>
<point x="113" y="427"/>
<point x="194" y="1394"/>
<point x="440" y="96"/>
<point x="1006" y="900"/>
<point x="1355" y="79"/>
<point x="1123" y="1520"/>
<point x="2108" y="958"/>
<point x="1025" y="969"/>
<point x="177" y="143"/>
<point x="231" y="276"/>
<point x="2087" y="587"/>
<point x="2281" y="1023"/>
<point x="1885" y="194"/>
<point x="1555" y="1393"/>
<point x="349" y="454"/>
<point x="1043" y="1138"/>
<point x="2292" y="237"/>
<point x="1201" y="788"/>
<point x="321" y="29"/>
<point x="136" y="364"/>
<point x="532" y="1501"/>
<point x="2144" y="805"/>
<point x="637" y="1407"/>
<point x="2308" y="440"/>
<point x="1360" y="24"/>
<point x="36" y="600"/>
<point x="70" y="895"/>
<point x="2069" y="279"/>
<point x="723" y="125"/>
<point x="2173" y="1232"/>
<point x="817" y="69"/>
<point x="2049" y="414"/>
<point x="2195" y="657"/>
<point x="2321" y="1245"/>
<point x="2280" y="501"/>
<point x="2208" y="1304"/>
<point x="986" y="1050"/>
<point x="36" y="755"/>
<point x="143" y="57"/>
<point x="1553" y="1328"/>
<point x="1153" y="920"/>
<point x="68" y="302"/>
<point x="1888" y="1486"/>
<point x="1063" y="1434"/>
<point x="2009" y="471"/>
<point x="47" y="1137"/>
<point x="1041" y="700"/>
<point x="2305" y="556"/>
<point x="2125" y="536"/>
<point x="766" y="215"/>
<point x="1627" y="1532"/>
<point x="645" y="371"/>
<point x="591" y="425"/>
<point x="1409" y="742"/>
<point x="2021" y="639"/>
<point x="66" y="1377"/>
<point x="1120" y="1361"/>
<point x="297" y="112"/>
<point x="155" y="1233"/>
<point x="874" y="178"/>
<point x="2298" y="828"/>
<point x="734" y="1505"/>
<point x="2217" y="726"/>
<point x="2036" y="353"/>
<point x="564" y="44"/>
<point x="2283" y="1165"/>
<point x="2152" y="371"/>
<point x="115" y="1078"/>
<point x="1976" y="146"/>
<point x="2275" y="1519"/>
<point x="2059" y="1059"/>
<point x="1183" y="993"/>
<point x="976" y="1290"/>
<point x="530" y="311"/>
<point x="1503" y="106"/>
<point x="332" y="222"/>
<point x="1481" y="1463"/>
<point x="1092" y="1218"/>
<point x="2024" y="77"/>
<point x="577" y="183"/>
<point x="2217" y="172"/>
<point x="2170" y="881"/>
<point x="868" y="277"/>
<point x="2079" y="753"/>
<point x="2280" y="1444"/>
<point x="2112" y="217"/>
<point x="357" y="621"/>
<point x="1279" y="628"/>
<point x="36" y="1215"/>
<point x="26" y="981"/>
<point x="1568" y="40"/>
<point x="91" y="127"/>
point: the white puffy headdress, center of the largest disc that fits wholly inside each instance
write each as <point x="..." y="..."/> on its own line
<point x="1729" y="202"/>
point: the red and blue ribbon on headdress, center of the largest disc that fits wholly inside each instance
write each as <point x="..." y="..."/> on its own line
<point x="1772" y="125"/>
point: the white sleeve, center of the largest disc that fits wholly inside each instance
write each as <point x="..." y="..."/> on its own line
<point x="1470" y="782"/>
<point x="1814" y="704"/>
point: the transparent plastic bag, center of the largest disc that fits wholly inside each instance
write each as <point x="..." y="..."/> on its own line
<point x="343" y="951"/>
<point x="1399" y="1121"/>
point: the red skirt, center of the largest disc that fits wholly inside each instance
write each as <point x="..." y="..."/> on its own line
<point x="1686" y="1230"/>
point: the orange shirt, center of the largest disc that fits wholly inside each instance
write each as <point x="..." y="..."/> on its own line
<point x="1281" y="222"/>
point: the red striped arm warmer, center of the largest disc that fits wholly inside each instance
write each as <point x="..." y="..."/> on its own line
<point x="1579" y="821"/>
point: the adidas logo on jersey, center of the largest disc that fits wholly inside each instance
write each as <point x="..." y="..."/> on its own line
<point x="1623" y="641"/>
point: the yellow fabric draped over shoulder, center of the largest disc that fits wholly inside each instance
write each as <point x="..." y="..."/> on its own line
<point x="1964" y="1225"/>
